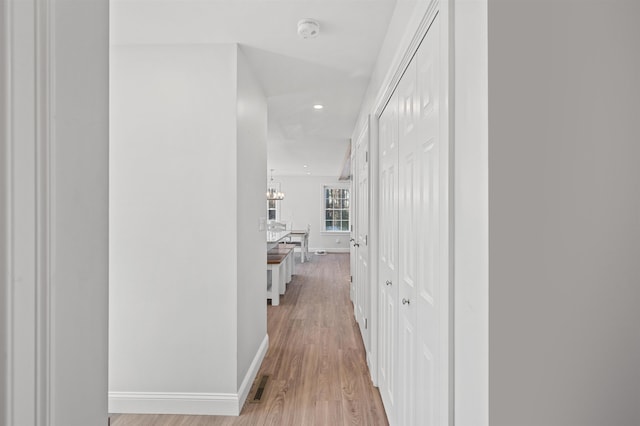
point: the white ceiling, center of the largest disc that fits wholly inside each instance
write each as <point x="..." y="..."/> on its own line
<point x="333" y="69"/>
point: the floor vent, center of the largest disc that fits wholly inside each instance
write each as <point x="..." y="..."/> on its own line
<point x="260" y="391"/>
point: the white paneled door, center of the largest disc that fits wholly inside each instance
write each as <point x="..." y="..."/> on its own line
<point x="354" y="228"/>
<point x="408" y="275"/>
<point x="431" y="206"/>
<point x="388" y="257"/>
<point x="363" y="298"/>
<point x="414" y="285"/>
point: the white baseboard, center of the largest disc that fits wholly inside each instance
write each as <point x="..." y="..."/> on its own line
<point x="224" y="404"/>
<point x="330" y="250"/>
<point x="245" y="387"/>
<point x="212" y="404"/>
<point x="372" y="376"/>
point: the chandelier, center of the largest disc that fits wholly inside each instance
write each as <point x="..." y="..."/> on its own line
<point x="273" y="190"/>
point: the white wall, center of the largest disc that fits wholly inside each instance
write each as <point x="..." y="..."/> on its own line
<point x="4" y="224"/>
<point x="564" y="228"/>
<point x="303" y="205"/>
<point x="173" y="268"/>
<point x="402" y="26"/>
<point x="188" y="160"/>
<point x="252" y="256"/>
<point x="471" y="215"/>
<point x="79" y="213"/>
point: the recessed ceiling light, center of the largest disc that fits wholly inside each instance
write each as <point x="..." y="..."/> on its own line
<point x="308" y="173"/>
<point x="305" y="166"/>
<point x="318" y="106"/>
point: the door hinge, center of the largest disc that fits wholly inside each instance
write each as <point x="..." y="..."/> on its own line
<point x="366" y="240"/>
<point x="366" y="323"/>
<point x="350" y="278"/>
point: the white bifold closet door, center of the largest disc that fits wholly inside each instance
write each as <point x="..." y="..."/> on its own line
<point x="388" y="257"/>
<point x="409" y="194"/>
<point x="414" y="307"/>
<point x="363" y="289"/>
<point x="432" y="206"/>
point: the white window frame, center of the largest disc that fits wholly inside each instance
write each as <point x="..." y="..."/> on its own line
<point x="323" y="229"/>
<point x="277" y="209"/>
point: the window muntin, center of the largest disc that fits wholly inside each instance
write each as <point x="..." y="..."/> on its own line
<point x="336" y="209"/>
<point x="272" y="210"/>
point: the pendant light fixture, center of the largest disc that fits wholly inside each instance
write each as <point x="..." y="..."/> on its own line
<point x="273" y="190"/>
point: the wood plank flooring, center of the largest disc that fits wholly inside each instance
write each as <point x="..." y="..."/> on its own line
<point x="316" y="360"/>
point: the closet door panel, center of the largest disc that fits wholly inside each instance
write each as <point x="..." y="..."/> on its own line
<point x="407" y="386"/>
<point x="354" y="229"/>
<point x="414" y="287"/>
<point x="363" y="288"/>
<point x="432" y="284"/>
<point x="408" y="168"/>
<point x="388" y="266"/>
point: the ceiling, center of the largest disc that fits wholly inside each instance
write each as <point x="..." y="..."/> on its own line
<point x="333" y="69"/>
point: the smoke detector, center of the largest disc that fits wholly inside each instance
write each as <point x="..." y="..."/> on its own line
<point x="308" y="28"/>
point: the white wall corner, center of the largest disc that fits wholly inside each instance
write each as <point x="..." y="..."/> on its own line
<point x="155" y="232"/>
<point x="245" y="387"/>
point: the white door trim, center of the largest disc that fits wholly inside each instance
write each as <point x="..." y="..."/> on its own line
<point x="26" y="70"/>
<point x="54" y="214"/>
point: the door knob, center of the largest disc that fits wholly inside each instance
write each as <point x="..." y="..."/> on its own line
<point x="356" y="245"/>
<point x="405" y="301"/>
<point x="389" y="282"/>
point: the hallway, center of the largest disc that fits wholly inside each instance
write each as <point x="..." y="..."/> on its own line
<point x="315" y="363"/>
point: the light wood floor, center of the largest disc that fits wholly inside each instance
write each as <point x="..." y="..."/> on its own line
<point x="316" y="361"/>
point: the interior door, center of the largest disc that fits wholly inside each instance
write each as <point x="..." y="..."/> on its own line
<point x="408" y="224"/>
<point x="353" y="212"/>
<point x="388" y="257"/>
<point x="431" y="206"/>
<point x="363" y="289"/>
<point x="353" y="231"/>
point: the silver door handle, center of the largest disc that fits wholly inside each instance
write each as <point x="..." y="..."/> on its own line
<point x="405" y="301"/>
<point x="389" y="282"/>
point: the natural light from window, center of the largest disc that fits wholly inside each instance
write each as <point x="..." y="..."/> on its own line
<point x="336" y="209"/>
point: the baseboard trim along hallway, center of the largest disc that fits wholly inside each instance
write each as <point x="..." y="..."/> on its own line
<point x="220" y="404"/>
<point x="173" y="403"/>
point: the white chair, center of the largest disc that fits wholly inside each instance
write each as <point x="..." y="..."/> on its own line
<point x="302" y="242"/>
<point x="274" y="225"/>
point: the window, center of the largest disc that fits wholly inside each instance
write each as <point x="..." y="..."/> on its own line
<point x="336" y="209"/>
<point x="272" y="210"/>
